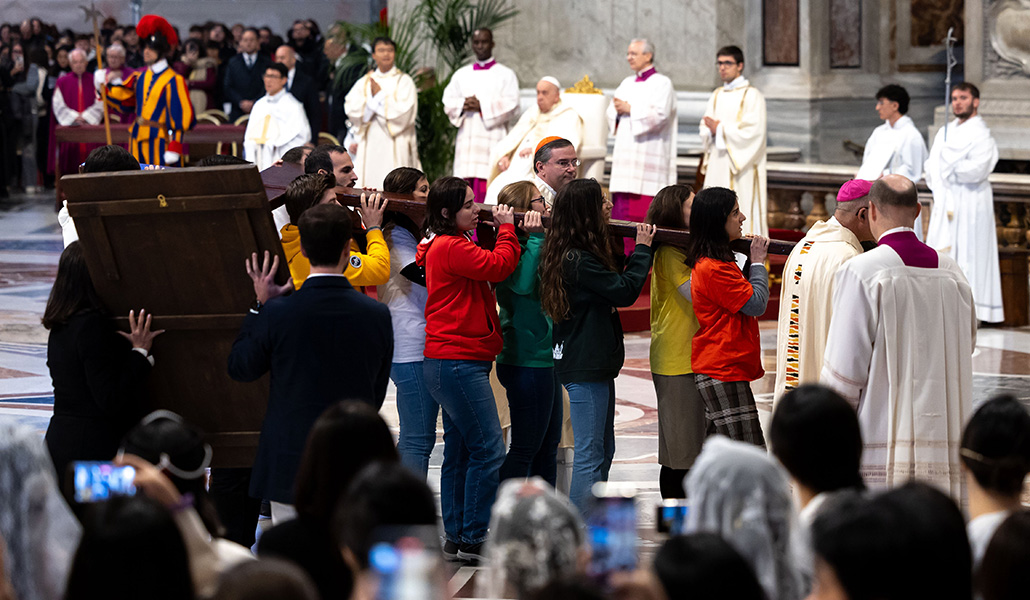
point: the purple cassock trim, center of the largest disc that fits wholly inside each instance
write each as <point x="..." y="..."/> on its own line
<point x="643" y="76"/>
<point x="913" y="252"/>
<point x="483" y="67"/>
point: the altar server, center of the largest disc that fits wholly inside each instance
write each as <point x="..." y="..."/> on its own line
<point x="733" y="131"/>
<point x="962" y="220"/>
<point x="481" y="100"/>
<point x="382" y="107"/>
<point x="277" y="121"/>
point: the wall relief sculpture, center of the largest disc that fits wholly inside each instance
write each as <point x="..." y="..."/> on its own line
<point x="1007" y="39"/>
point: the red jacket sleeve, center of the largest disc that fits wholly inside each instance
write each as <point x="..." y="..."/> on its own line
<point x="725" y="285"/>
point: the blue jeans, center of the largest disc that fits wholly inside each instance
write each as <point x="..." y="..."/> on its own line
<point x="535" y="406"/>
<point x="417" y="411"/>
<point x="473" y="449"/>
<point x="592" y="409"/>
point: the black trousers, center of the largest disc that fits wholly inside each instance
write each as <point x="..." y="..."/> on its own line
<point x="229" y="489"/>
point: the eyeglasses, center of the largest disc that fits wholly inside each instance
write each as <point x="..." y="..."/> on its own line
<point x="566" y="163"/>
<point x="535" y="200"/>
<point x="726" y="63"/>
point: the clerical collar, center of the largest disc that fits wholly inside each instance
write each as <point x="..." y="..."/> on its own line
<point x="895" y="230"/>
<point x="645" y="74"/>
<point x="739" y="82"/>
<point x="483" y="65"/>
<point x="159" y="66"/>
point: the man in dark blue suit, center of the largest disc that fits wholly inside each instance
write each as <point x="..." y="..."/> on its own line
<point x="323" y="343"/>
<point x="243" y="83"/>
<point x="302" y="87"/>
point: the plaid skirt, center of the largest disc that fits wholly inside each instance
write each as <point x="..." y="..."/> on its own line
<point x="730" y="409"/>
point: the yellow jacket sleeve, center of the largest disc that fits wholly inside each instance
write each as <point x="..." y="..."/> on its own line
<point x="372" y="268"/>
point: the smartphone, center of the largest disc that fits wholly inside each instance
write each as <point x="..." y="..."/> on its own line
<point x="671" y="516"/>
<point x="407" y="565"/>
<point x="97" y="481"/>
<point x="612" y="530"/>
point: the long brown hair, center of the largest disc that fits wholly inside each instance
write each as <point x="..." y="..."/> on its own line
<point x="708" y="237"/>
<point x="73" y="290"/>
<point x="577" y="224"/>
<point x="518" y="195"/>
<point x="666" y="209"/>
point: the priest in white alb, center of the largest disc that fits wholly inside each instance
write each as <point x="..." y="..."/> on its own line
<point x="962" y="219"/>
<point x="897" y="147"/>
<point x="807" y="289"/>
<point x="277" y="121"/>
<point x="642" y="117"/>
<point x="733" y="131"/>
<point x="481" y="100"/>
<point x="900" y="347"/>
<point x="512" y="157"/>
<point x="382" y="107"/>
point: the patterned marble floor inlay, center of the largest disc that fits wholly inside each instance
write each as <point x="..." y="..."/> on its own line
<point x="30" y="245"/>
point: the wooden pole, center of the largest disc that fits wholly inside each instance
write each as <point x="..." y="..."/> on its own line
<point x="91" y="13"/>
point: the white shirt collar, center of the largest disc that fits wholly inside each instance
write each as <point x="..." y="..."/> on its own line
<point x="250" y="58"/>
<point x="895" y="230"/>
<point x="159" y="66"/>
<point x="313" y="275"/>
<point x="390" y="72"/>
<point x="291" y="73"/>
<point x="277" y="97"/>
<point x="739" y="82"/>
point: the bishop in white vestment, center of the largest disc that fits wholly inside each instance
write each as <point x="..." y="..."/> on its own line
<point x="481" y="100"/>
<point x="512" y="158"/>
<point x="962" y="219"/>
<point x="806" y="293"/>
<point x="382" y="107"/>
<point x="642" y="117"/>
<point x="733" y="131"/>
<point x="900" y="347"/>
<point x="277" y="123"/>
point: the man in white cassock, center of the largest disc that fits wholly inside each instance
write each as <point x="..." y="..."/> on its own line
<point x="962" y="219"/>
<point x="481" y="100"/>
<point x="896" y="147"/>
<point x="733" y="131"/>
<point x="642" y="117"/>
<point x="807" y="290"/>
<point x="277" y="121"/>
<point x="900" y="347"/>
<point x="382" y="107"/>
<point x="512" y="157"/>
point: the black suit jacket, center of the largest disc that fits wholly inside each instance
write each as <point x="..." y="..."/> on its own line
<point x="324" y="343"/>
<point x="305" y="90"/>
<point x="242" y="83"/>
<point x="99" y="389"/>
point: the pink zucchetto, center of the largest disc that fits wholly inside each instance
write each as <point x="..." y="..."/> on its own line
<point x="853" y="190"/>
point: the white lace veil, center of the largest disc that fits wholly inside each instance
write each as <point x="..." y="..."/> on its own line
<point x="39" y="529"/>
<point x="739" y="492"/>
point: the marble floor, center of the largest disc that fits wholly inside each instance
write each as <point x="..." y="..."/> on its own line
<point x="30" y="244"/>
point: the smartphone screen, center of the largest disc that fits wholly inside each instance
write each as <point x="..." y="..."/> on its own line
<point x="671" y="516"/>
<point x="612" y="529"/>
<point x="96" y="481"/>
<point x="406" y="563"/>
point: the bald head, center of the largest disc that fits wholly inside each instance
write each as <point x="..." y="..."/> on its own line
<point x="285" y="55"/>
<point x="894" y="202"/>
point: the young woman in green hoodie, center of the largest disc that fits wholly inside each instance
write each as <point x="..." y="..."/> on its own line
<point x="525" y="367"/>
<point x="580" y="288"/>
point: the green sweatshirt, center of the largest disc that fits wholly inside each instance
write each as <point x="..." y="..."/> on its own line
<point x="588" y="344"/>
<point x="525" y="327"/>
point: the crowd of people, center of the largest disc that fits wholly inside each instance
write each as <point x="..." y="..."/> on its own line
<point x="222" y="68"/>
<point x="880" y="458"/>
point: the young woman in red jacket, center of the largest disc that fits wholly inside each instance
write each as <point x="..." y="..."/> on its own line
<point x="463" y="337"/>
